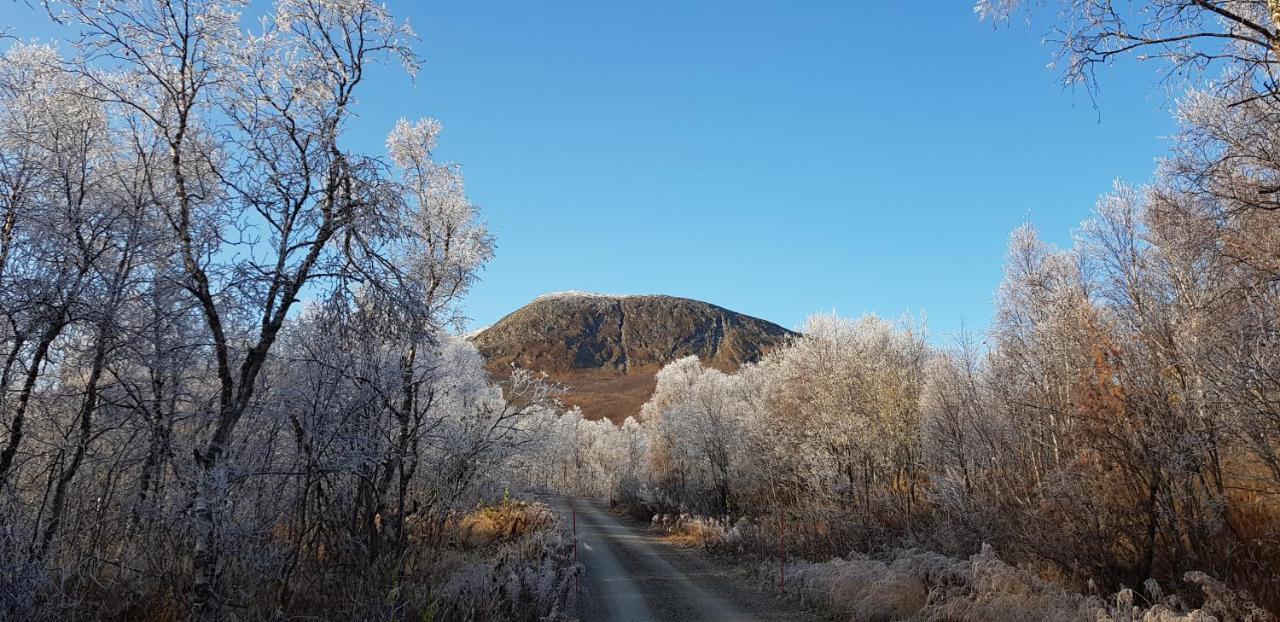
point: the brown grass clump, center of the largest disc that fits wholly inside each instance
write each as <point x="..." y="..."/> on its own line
<point x="685" y="530"/>
<point x="504" y="522"/>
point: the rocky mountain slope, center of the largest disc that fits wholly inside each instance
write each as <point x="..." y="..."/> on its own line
<point x="607" y="349"/>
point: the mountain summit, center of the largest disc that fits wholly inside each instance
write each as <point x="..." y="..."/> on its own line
<point x="607" y="349"/>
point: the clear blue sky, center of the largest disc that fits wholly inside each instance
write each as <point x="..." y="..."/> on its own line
<point x="775" y="158"/>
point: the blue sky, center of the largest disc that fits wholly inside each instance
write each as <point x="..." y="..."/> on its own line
<point x="775" y="158"/>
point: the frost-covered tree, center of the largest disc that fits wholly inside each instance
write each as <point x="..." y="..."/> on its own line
<point x="699" y="418"/>
<point x="228" y="372"/>
<point x="1173" y="374"/>
<point x="1233" y="45"/>
<point x="241" y="130"/>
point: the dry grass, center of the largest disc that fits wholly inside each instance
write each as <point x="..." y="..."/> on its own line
<point x="505" y="522"/>
<point x="686" y="530"/>
<point x="1255" y="516"/>
<point x="605" y="394"/>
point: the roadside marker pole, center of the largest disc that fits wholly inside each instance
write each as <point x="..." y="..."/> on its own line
<point x="782" y="559"/>
<point x="577" y="577"/>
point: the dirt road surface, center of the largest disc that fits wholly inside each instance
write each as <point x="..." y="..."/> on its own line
<point x="634" y="576"/>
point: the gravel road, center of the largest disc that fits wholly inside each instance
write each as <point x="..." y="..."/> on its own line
<point x="632" y="575"/>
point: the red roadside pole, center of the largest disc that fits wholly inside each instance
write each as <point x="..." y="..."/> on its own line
<point x="782" y="558"/>
<point x="577" y="578"/>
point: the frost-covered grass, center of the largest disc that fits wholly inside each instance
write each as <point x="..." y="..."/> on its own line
<point x="924" y="586"/>
<point x="505" y="561"/>
<point x="528" y="577"/>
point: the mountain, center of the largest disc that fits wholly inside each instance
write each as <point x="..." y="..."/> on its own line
<point x="607" y="349"/>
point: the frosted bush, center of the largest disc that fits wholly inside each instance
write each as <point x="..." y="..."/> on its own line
<point x="742" y="533"/>
<point x="861" y="588"/>
<point x="1226" y="603"/>
<point x="530" y="578"/>
<point x="994" y="590"/>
